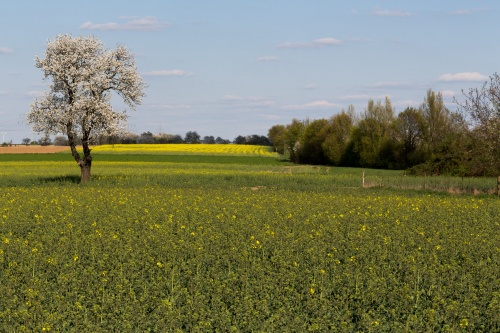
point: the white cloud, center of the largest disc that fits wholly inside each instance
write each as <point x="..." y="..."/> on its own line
<point x="461" y="77"/>
<point x="389" y="84"/>
<point x="310" y="86"/>
<point x="407" y="103"/>
<point x="320" y="104"/>
<point x="6" y="50"/>
<point x="147" y="23"/>
<point x="448" y="93"/>
<point x="461" y="12"/>
<point x="326" y="41"/>
<point x="364" y="97"/>
<point x="391" y="13"/>
<point x="268" y="59"/>
<point x="168" y="72"/>
<point x="317" y="43"/>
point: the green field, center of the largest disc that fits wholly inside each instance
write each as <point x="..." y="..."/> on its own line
<point x="189" y="243"/>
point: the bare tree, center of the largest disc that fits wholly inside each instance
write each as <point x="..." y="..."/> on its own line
<point x="84" y="75"/>
<point x="482" y="110"/>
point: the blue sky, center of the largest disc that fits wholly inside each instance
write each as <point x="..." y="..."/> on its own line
<point x="231" y="67"/>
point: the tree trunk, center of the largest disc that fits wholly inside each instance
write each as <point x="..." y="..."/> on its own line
<point x="86" y="162"/>
<point x="85" y="165"/>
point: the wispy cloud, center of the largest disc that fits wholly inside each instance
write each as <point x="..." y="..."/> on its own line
<point x="253" y="101"/>
<point x="391" y="13"/>
<point x="268" y="59"/>
<point x="6" y="50"/>
<point x="406" y="103"/>
<point x="168" y="72"/>
<point x="363" y="97"/>
<point x="147" y="23"/>
<point x="317" y="43"/>
<point x="462" y="12"/>
<point x="461" y="77"/>
<point x="231" y="98"/>
<point x="448" y="93"/>
<point x="320" y="104"/>
<point x="389" y="84"/>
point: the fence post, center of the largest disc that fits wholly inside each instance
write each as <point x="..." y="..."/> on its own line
<point x="363" y="184"/>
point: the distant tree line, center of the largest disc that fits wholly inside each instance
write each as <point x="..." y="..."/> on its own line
<point x="191" y="137"/>
<point x="429" y="139"/>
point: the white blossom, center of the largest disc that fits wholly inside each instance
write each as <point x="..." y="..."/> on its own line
<point x="84" y="74"/>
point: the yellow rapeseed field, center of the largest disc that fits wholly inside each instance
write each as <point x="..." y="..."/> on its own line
<point x="185" y="148"/>
<point x="158" y="243"/>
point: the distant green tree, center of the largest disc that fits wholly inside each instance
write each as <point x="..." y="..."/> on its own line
<point x="293" y="133"/>
<point x="61" y="141"/>
<point x="436" y="119"/>
<point x="240" y="140"/>
<point x="311" y="141"/>
<point x="221" y="141"/>
<point x="338" y="134"/>
<point x="409" y="127"/>
<point x="192" y="137"/>
<point x="146" y="137"/>
<point x="208" y="139"/>
<point x="372" y="137"/>
<point x="45" y="141"/>
<point x="176" y="138"/>
<point x="129" y="138"/>
<point x="276" y="135"/>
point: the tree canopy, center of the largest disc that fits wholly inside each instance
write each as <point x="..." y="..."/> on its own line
<point x="429" y="139"/>
<point x="84" y="77"/>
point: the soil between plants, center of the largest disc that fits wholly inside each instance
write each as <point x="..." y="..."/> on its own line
<point x="32" y="149"/>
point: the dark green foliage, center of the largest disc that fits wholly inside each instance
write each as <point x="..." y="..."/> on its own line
<point x="276" y="135"/>
<point x="427" y="140"/>
<point x="311" y="151"/>
<point x="192" y="137"/>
